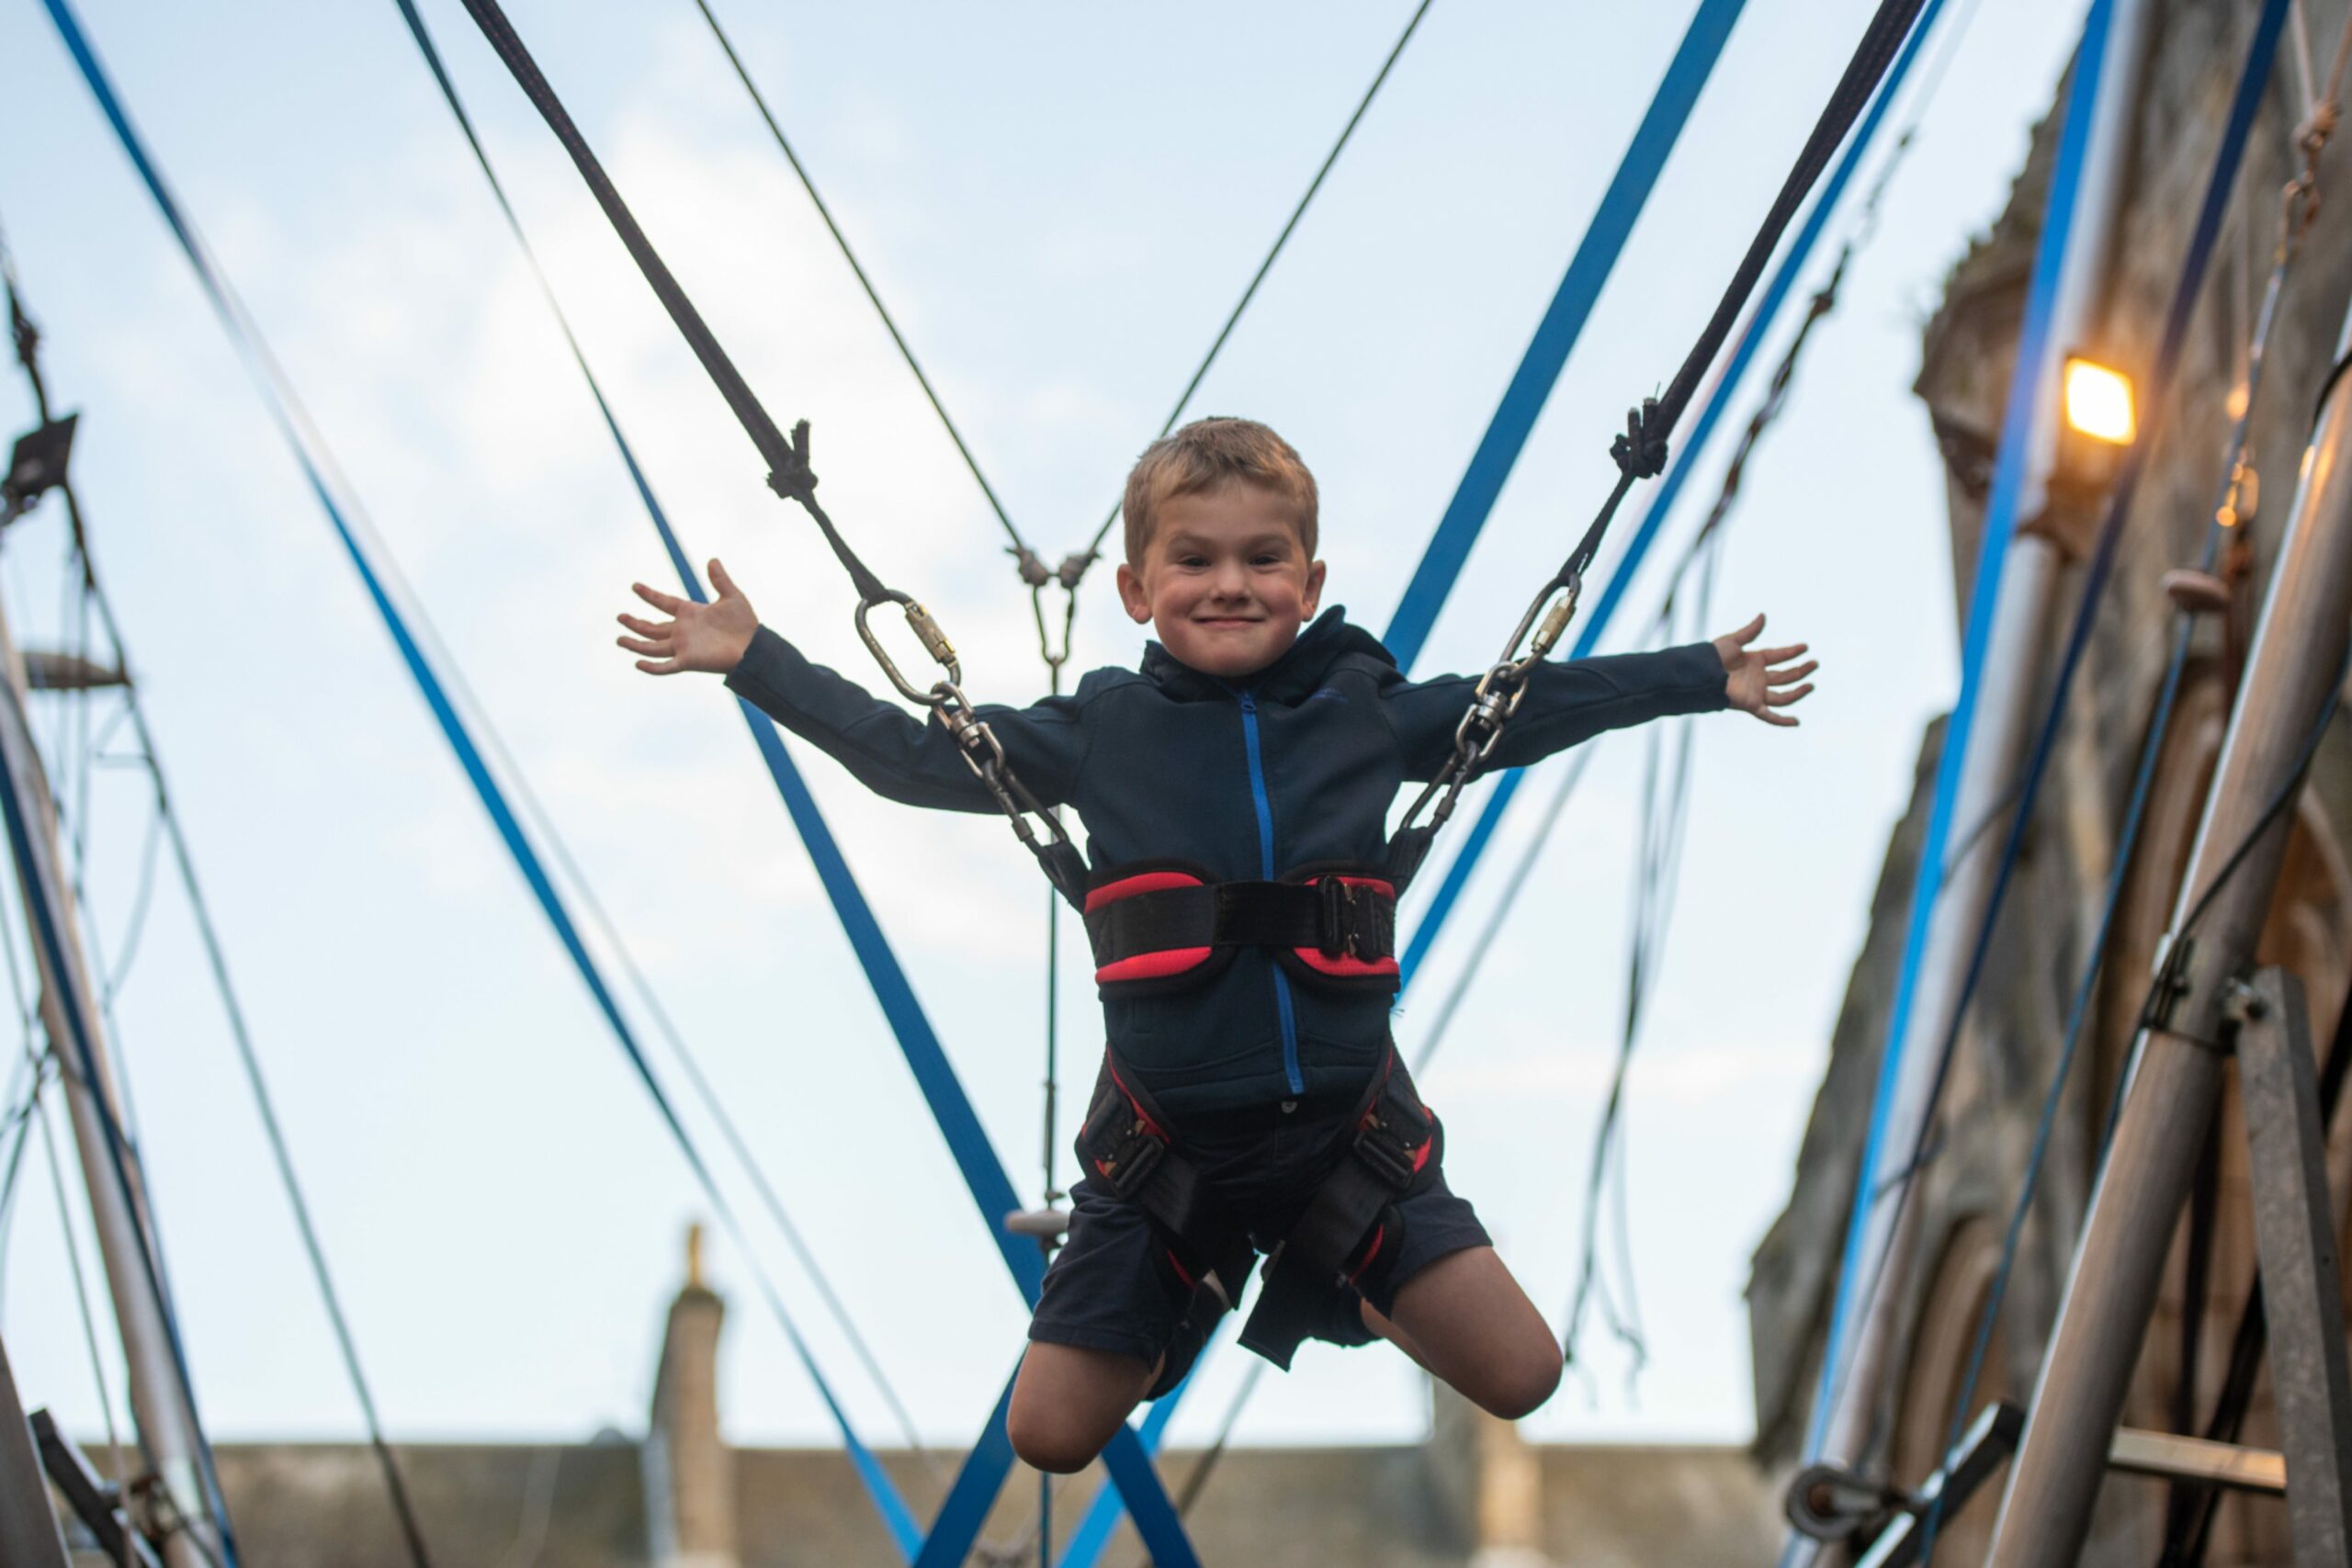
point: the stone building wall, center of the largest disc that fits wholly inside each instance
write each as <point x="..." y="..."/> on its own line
<point x="2009" y="1043"/>
<point x="1473" y="1495"/>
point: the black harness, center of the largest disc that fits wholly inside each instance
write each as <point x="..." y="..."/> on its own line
<point x="1348" y="1230"/>
<point x="1158" y="926"/>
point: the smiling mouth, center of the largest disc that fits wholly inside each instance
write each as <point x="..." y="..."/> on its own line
<point x="1228" y="621"/>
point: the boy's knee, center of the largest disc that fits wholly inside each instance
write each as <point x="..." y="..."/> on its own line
<point x="1520" y="1386"/>
<point x="1049" y="1440"/>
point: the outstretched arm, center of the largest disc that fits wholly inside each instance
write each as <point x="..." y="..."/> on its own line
<point x="1571" y="700"/>
<point x="889" y="750"/>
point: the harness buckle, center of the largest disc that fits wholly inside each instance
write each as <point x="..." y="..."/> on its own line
<point x="1131" y="1163"/>
<point x="1389" y="1155"/>
<point x="1336" y="939"/>
<point x="1354" y="921"/>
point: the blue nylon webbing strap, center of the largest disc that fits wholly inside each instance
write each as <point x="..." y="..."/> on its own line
<point x="461" y="742"/>
<point x="1669" y="488"/>
<point x="2028" y="385"/>
<point x="985" y="1467"/>
<point x="38" y="873"/>
<point x="1556" y="335"/>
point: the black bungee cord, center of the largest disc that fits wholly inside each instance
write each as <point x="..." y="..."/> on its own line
<point x="1640" y="453"/>
<point x="790" y="476"/>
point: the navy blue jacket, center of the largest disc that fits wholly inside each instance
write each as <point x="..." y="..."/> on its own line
<point x="1299" y="765"/>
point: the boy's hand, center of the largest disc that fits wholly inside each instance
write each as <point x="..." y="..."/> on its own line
<point x="701" y="637"/>
<point x="1752" y="683"/>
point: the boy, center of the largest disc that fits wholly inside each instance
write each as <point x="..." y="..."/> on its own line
<point x="1249" y="1052"/>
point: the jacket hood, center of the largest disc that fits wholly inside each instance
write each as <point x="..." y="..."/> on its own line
<point x="1329" y="638"/>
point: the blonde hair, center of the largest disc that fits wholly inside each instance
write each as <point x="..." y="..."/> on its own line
<point x="1208" y="453"/>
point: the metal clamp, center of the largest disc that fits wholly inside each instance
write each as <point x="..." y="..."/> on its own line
<point x="982" y="751"/>
<point x="1496" y="698"/>
<point x="927" y="631"/>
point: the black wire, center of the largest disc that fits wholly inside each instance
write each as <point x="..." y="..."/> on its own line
<point x="135" y="924"/>
<point x="19" y="1126"/>
<point x="1666" y="815"/>
<point x="1020" y="546"/>
<point x="123" y="1156"/>
<point x="168" y="821"/>
<point x="1233" y="318"/>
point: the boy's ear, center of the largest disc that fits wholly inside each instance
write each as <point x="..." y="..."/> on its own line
<point x="1310" y="601"/>
<point x="1131" y="595"/>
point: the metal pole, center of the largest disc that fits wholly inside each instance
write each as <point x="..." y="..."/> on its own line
<point x="2006" y="707"/>
<point x="28" y="1533"/>
<point x="2290" y="675"/>
<point x="2302" y="1289"/>
<point x="166" y="1424"/>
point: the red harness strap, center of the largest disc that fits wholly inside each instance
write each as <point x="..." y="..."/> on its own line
<point x="1170" y="924"/>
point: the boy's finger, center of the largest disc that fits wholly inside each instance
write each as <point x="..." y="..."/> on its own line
<point x="720" y="581"/>
<point x="1782" y="699"/>
<point x="1794" y="673"/>
<point x="666" y="667"/>
<point x="1749" y="632"/>
<point x="1785" y="720"/>
<point x="647" y="628"/>
<point x="1781" y="655"/>
<point x="640" y="645"/>
<point x="659" y="600"/>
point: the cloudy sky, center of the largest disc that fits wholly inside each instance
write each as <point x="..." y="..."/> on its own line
<point x="1061" y="202"/>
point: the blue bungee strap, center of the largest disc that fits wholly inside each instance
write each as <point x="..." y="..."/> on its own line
<point x="1442" y="903"/>
<point x="2028" y="386"/>
<point x="277" y="398"/>
<point x="1539" y="369"/>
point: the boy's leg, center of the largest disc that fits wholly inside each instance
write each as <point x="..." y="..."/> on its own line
<point x="1110" y="1312"/>
<point x="1465" y="1319"/>
<point x="1068" y="1402"/>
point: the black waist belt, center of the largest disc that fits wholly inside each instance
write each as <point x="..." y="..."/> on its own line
<point x="1173" y="923"/>
<point x="1345" y="1231"/>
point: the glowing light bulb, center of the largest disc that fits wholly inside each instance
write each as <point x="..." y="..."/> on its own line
<point x="2099" y="403"/>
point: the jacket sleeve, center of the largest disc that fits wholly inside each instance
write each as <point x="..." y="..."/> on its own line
<point x="1567" y="702"/>
<point x="892" y="752"/>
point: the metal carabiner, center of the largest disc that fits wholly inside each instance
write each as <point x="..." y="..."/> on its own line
<point x="927" y="631"/>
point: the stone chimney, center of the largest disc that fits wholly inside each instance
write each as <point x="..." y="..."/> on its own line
<point x="689" y="1473"/>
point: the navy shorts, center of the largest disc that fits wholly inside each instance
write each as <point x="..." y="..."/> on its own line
<point x="1109" y="1289"/>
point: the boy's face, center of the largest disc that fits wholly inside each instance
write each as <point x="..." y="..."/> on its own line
<point x="1224" y="580"/>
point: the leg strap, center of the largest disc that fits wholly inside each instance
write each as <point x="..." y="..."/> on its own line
<point x="1346" y="1228"/>
<point x="1124" y="1144"/>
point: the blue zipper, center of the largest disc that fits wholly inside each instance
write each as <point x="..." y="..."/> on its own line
<point x="1257" y="798"/>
